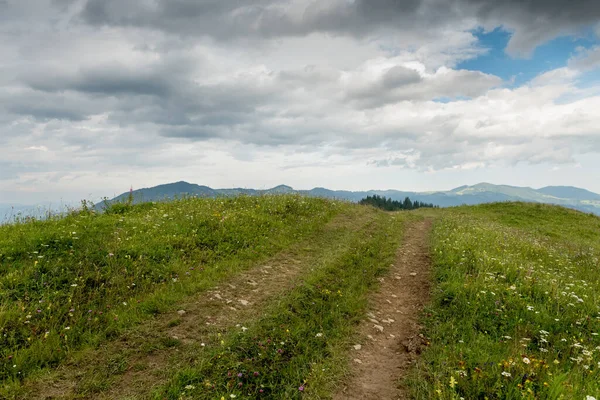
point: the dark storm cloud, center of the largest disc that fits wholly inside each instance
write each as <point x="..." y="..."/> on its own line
<point x="163" y="97"/>
<point x="48" y="106"/>
<point x="159" y="79"/>
<point x="265" y="18"/>
<point x="533" y="21"/>
<point x="536" y="21"/>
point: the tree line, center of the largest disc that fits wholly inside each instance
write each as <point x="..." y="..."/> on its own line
<point x="394" y="205"/>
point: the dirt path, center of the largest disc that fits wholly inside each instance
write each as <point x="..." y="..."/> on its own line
<point x="391" y="330"/>
<point x="144" y="359"/>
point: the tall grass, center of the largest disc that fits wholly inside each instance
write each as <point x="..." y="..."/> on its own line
<point x="516" y="313"/>
<point x="72" y="282"/>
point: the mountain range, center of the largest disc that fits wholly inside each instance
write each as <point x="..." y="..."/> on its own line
<point x="566" y="196"/>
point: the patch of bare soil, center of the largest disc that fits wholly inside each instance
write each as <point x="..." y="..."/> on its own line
<point x="190" y="328"/>
<point x="391" y="335"/>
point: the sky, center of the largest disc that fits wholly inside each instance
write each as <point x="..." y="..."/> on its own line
<point x="97" y="96"/>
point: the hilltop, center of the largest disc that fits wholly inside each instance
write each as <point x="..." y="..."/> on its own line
<point x="289" y="296"/>
<point x="481" y="193"/>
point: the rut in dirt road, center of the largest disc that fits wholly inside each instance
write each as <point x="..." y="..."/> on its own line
<point x="391" y="330"/>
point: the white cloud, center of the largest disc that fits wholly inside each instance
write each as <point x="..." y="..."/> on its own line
<point x="586" y="60"/>
<point x="86" y="108"/>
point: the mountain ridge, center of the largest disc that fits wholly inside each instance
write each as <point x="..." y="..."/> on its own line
<point x="567" y="196"/>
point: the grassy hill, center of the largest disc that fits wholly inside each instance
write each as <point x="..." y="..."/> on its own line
<point x="261" y="297"/>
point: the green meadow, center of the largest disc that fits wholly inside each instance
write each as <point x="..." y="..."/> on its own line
<point x="514" y="311"/>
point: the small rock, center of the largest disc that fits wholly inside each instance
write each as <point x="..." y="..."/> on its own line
<point x="370" y="337"/>
<point x="357" y="347"/>
<point x="394" y="296"/>
<point x="378" y="327"/>
<point x="181" y="312"/>
<point x="389" y="302"/>
<point x="218" y="296"/>
<point x="356" y="360"/>
<point x="244" y="302"/>
<point x="392" y="336"/>
<point x="373" y="320"/>
<point x="413" y="274"/>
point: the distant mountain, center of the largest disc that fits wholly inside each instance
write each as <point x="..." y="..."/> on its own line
<point x="166" y="192"/>
<point x="567" y="196"/>
<point x="569" y="192"/>
<point x="281" y="189"/>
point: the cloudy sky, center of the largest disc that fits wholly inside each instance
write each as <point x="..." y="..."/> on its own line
<point x="98" y="95"/>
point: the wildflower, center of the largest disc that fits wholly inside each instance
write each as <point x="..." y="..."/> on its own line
<point x="319" y="334"/>
<point x="452" y="382"/>
<point x="301" y="388"/>
<point x="526" y="360"/>
<point x="190" y="387"/>
<point x="590" y="398"/>
<point x="507" y="374"/>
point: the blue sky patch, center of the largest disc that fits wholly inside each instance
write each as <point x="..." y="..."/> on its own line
<point x="548" y="56"/>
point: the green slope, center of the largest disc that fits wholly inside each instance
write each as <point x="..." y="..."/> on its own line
<point x="516" y="309"/>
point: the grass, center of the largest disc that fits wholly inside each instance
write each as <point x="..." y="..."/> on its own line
<point x="515" y="313"/>
<point x="75" y="282"/>
<point x="144" y="344"/>
<point x="297" y="348"/>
